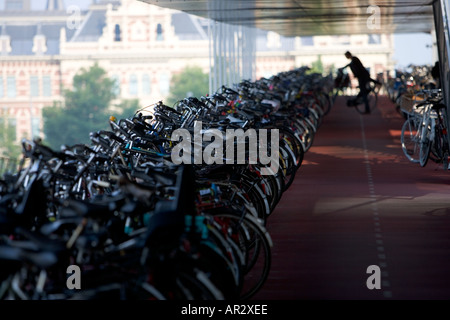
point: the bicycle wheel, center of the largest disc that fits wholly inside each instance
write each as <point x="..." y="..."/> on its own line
<point x="306" y="132"/>
<point x="287" y="165"/>
<point x="439" y="152"/>
<point x="254" y="242"/>
<point x="325" y="101"/>
<point x="335" y="95"/>
<point x="294" y="144"/>
<point x="316" y="114"/>
<point x="372" y="99"/>
<point x="437" y="147"/>
<point x="276" y="190"/>
<point x="425" y="146"/>
<point x="410" y="140"/>
<point x="443" y="120"/>
<point x="445" y="159"/>
<point x="196" y="285"/>
<point x="257" y="197"/>
<point x="360" y="106"/>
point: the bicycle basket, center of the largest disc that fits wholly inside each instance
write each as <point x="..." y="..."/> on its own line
<point x="342" y="81"/>
<point x="408" y="101"/>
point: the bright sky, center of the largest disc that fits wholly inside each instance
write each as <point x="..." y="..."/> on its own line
<point x="83" y="4"/>
<point x="409" y="48"/>
<point x="414" y="48"/>
<point x="40" y="4"/>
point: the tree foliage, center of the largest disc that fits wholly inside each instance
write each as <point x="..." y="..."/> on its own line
<point x="85" y="109"/>
<point x="191" y="82"/>
<point x="126" y="108"/>
<point x="317" y="66"/>
<point x="9" y="148"/>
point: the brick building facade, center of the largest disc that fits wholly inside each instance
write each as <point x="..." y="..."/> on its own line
<point x="139" y="45"/>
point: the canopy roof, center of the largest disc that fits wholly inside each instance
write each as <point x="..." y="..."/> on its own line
<point x="292" y="18"/>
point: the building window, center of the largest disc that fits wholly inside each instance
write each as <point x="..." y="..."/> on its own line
<point x="14" y="5"/>
<point x="146" y="84"/>
<point x="1" y="87"/>
<point x="307" y="41"/>
<point x="117" y="33"/>
<point x="34" y="86"/>
<point x="164" y="84"/>
<point x="116" y="85"/>
<point x="341" y="40"/>
<point x="133" y="85"/>
<point x="46" y="86"/>
<point x="159" y="32"/>
<point x="11" y="86"/>
<point x="35" y="130"/>
<point x="5" y="44"/>
<point x="374" y="39"/>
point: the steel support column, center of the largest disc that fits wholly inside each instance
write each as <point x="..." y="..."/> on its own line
<point x="232" y="51"/>
<point x="441" y="13"/>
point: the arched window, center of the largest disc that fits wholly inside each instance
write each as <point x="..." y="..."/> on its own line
<point x="159" y="32"/>
<point x="34" y="86"/>
<point x="146" y="89"/>
<point x="35" y="127"/>
<point x="164" y="84"/>
<point x="1" y="87"/>
<point x="374" y="39"/>
<point x="11" y="86"/>
<point x="117" y="33"/>
<point x="307" y="41"/>
<point x="133" y="85"/>
<point x="46" y="86"/>
<point x="116" y="86"/>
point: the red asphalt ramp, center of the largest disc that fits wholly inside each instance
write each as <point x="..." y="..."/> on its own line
<point x="358" y="202"/>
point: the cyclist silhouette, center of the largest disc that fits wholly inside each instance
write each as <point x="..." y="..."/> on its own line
<point x="364" y="79"/>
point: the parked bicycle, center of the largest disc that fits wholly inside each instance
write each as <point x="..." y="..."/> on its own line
<point x="139" y="226"/>
<point x="341" y="83"/>
<point x="424" y="133"/>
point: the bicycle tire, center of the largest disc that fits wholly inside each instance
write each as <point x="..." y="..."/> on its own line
<point x="268" y="186"/>
<point x="289" y="168"/>
<point x="445" y="161"/>
<point x="409" y="139"/>
<point x="373" y="102"/>
<point x="295" y="146"/>
<point x="325" y="100"/>
<point x="231" y="252"/>
<point x="256" y="197"/>
<point x="437" y="147"/>
<point x="238" y="200"/>
<point x="306" y="132"/>
<point x="215" y="261"/>
<point x="335" y="95"/>
<point x="255" y="242"/>
<point x="425" y="148"/>
<point x="372" y="97"/>
<point x="196" y="285"/>
<point x="316" y="114"/>
<point x="276" y="191"/>
<point x="265" y="188"/>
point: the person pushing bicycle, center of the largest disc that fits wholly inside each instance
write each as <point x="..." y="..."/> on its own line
<point x="364" y="79"/>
